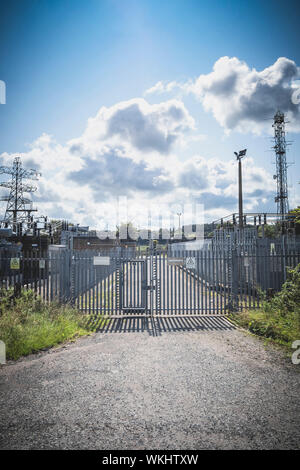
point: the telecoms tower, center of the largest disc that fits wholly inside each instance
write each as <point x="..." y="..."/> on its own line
<point x="281" y="166"/>
<point x="19" y="208"/>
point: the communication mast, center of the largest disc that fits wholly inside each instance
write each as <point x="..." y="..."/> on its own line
<point x="19" y="208"/>
<point x="281" y="166"/>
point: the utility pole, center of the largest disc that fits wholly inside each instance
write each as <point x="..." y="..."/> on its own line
<point x="239" y="155"/>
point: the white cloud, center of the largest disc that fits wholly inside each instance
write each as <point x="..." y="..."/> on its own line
<point x="137" y="124"/>
<point x="113" y="173"/>
<point x="162" y="87"/>
<point x="132" y="149"/>
<point x="213" y="182"/>
<point x="243" y="98"/>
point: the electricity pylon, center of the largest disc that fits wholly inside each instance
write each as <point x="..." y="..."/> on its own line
<point x="19" y="208"/>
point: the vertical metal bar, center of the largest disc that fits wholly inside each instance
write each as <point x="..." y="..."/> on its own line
<point x="101" y="299"/>
<point x="108" y="289"/>
<point x="171" y="287"/>
<point x="80" y="276"/>
<point x="168" y="285"/>
<point x="183" y="280"/>
<point x="105" y="289"/>
<point x="198" y="282"/>
<point x="97" y="288"/>
<point x="194" y="284"/>
<point x="136" y="285"/>
<point x="190" y="278"/>
<point x="85" y="300"/>
<point x="163" y="284"/>
<point x="89" y="284"/>
<point x="123" y="283"/>
<point x="47" y="277"/>
<point x="179" y="290"/>
<point x="219" y="284"/>
<point x="84" y="281"/>
<point x="175" y="288"/>
<point x="157" y="283"/>
<point x="113" y="288"/>
<point x="211" y="293"/>
<point x="93" y="275"/>
<point x="206" y="280"/>
<point x="213" y="283"/>
<point x="51" y="277"/>
<point x="56" y="276"/>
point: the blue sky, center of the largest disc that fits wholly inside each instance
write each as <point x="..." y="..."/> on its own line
<point x="62" y="60"/>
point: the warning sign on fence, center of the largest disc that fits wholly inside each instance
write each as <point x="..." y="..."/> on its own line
<point x="101" y="261"/>
<point x="190" y="262"/>
<point x="14" y="263"/>
<point x="42" y="264"/>
<point x="175" y="261"/>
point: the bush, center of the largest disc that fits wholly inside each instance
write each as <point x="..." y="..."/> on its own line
<point x="27" y="324"/>
<point x="279" y="317"/>
<point x="288" y="299"/>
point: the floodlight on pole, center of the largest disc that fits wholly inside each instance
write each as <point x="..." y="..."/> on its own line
<point x="179" y="215"/>
<point x="239" y="155"/>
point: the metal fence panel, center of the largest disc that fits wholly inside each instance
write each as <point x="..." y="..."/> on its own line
<point x="211" y="281"/>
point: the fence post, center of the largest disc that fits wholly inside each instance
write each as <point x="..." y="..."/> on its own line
<point x="71" y="280"/>
<point x="233" y="297"/>
<point x="283" y="251"/>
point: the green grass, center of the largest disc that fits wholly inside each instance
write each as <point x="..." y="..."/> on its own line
<point x="273" y="326"/>
<point x="278" y="319"/>
<point x="28" y="325"/>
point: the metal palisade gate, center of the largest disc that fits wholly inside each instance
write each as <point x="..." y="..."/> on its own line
<point x="129" y="283"/>
<point x="125" y="282"/>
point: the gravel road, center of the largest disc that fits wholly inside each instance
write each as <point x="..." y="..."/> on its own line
<point x="172" y="384"/>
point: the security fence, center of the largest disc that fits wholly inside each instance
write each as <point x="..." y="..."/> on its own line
<point x="129" y="282"/>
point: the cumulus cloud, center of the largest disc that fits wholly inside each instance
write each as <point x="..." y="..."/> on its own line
<point x="82" y="178"/>
<point x="113" y="173"/>
<point x="213" y="183"/>
<point x="194" y="174"/>
<point x="138" y="124"/>
<point x="243" y="98"/>
<point x="129" y="150"/>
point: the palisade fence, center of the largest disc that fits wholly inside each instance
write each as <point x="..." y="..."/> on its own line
<point x="124" y="281"/>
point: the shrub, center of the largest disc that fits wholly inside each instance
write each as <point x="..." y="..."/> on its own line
<point x="279" y="317"/>
<point x="27" y="324"/>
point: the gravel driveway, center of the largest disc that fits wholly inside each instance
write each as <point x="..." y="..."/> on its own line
<point x="171" y="384"/>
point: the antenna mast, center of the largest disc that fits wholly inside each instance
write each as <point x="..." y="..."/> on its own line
<point x="281" y="166"/>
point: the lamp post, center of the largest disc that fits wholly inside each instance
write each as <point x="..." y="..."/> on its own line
<point x="179" y="215"/>
<point x="239" y="155"/>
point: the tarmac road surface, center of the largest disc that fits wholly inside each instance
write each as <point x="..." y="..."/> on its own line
<point x="180" y="383"/>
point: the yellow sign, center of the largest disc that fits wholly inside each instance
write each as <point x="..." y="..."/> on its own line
<point x="14" y="263"/>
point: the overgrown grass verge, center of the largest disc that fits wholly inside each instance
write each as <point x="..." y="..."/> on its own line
<point x="278" y="319"/>
<point x="28" y="325"/>
<point x="274" y="327"/>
